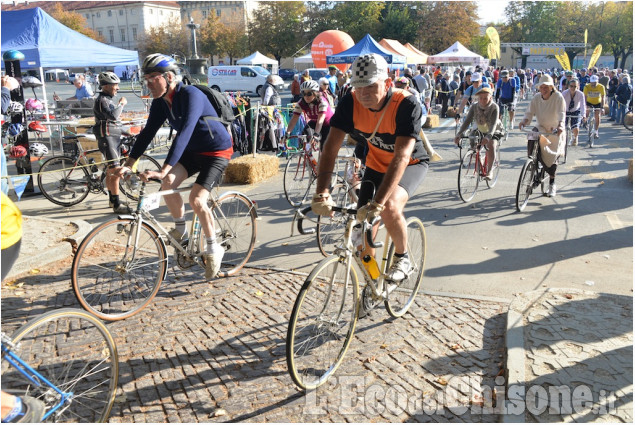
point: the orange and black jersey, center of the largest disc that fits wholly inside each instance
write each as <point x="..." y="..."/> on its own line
<point x="403" y="118"/>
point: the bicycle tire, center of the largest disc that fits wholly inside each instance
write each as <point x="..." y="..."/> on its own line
<point x="629" y="127"/>
<point x="76" y="353"/>
<point x="298" y="179"/>
<point x="468" y="176"/>
<point x="544" y="185"/>
<point x="53" y="181"/>
<point x="144" y="163"/>
<point x="401" y="298"/>
<point x="591" y="135"/>
<point x="237" y="231"/>
<point x="496" y="166"/>
<point x="322" y="322"/>
<point x="525" y="185"/>
<point x="330" y="230"/>
<point x="106" y="282"/>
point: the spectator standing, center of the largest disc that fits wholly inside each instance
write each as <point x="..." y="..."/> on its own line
<point x="454" y="87"/>
<point x="332" y="79"/>
<point x="614" y="82"/>
<point x="305" y="76"/>
<point x="270" y="95"/>
<point x="623" y="95"/>
<point x="295" y="88"/>
<point x="444" y="94"/>
<point x="82" y="90"/>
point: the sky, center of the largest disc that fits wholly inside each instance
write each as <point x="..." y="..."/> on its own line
<point x="491" y="10"/>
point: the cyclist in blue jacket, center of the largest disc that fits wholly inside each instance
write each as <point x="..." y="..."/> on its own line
<point x="506" y="93"/>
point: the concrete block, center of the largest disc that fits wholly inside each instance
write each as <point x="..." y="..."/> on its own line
<point x="249" y="169"/>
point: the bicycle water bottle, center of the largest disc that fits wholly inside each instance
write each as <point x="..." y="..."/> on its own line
<point x="371" y="266"/>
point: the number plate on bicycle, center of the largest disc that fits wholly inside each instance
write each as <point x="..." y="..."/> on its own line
<point x="151" y="202"/>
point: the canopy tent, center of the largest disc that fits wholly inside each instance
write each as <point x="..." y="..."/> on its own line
<point x="56" y="74"/>
<point x="303" y="59"/>
<point x="396" y="47"/>
<point x="365" y="46"/>
<point x="46" y="43"/>
<point x="456" y="53"/>
<point x="258" y="58"/>
<point x="417" y="51"/>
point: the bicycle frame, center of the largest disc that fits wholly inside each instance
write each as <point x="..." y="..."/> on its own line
<point x="32" y="375"/>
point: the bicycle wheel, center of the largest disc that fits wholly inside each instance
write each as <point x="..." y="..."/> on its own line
<point x="114" y="279"/>
<point x="322" y="322"/>
<point x="468" y="176"/>
<point x="77" y="354"/>
<point x="591" y="132"/>
<point x="63" y="183"/>
<point x="544" y="182"/>
<point x="330" y="230"/>
<point x="495" y="166"/>
<point x="298" y="178"/>
<point x="144" y="163"/>
<point x="525" y="184"/>
<point x="628" y="118"/>
<point x="401" y="295"/>
<point x="235" y="215"/>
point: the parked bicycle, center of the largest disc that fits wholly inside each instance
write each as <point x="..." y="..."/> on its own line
<point x="67" y="359"/>
<point x="68" y="179"/>
<point x="532" y="175"/>
<point x="474" y="165"/>
<point x="120" y="264"/>
<point x="326" y="310"/>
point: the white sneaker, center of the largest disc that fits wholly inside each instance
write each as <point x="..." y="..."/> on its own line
<point x="213" y="261"/>
<point x="399" y="270"/>
<point x="552" y="190"/>
<point x="597" y="134"/>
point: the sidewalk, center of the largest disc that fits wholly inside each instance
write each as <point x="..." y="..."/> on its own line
<point x="219" y="355"/>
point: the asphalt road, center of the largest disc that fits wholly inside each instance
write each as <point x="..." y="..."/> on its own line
<point x="582" y="238"/>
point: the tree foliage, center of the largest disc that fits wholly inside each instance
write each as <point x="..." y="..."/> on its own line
<point x="443" y="23"/>
<point x="399" y="22"/>
<point x="168" y="38"/>
<point x="277" y="28"/>
<point x="74" y="21"/>
<point x="613" y="28"/>
<point x="358" y="18"/>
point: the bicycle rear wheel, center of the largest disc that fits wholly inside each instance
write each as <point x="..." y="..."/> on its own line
<point x="525" y="184"/>
<point x="298" y="179"/>
<point x="322" y="322"/>
<point x="63" y="183"/>
<point x="237" y="231"/>
<point x="108" y="280"/>
<point x="144" y="163"/>
<point x="330" y="230"/>
<point x="495" y="166"/>
<point x="77" y="354"/>
<point x="468" y="176"/>
<point x="401" y="295"/>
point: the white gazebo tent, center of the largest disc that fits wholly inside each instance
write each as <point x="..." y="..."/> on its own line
<point x="258" y="58"/>
<point x="306" y="59"/>
<point x="457" y="53"/>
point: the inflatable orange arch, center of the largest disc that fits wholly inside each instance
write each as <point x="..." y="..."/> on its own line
<point x="329" y="43"/>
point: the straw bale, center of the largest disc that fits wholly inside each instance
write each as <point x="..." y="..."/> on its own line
<point x="628" y="119"/>
<point x="432" y="121"/>
<point x="248" y="169"/>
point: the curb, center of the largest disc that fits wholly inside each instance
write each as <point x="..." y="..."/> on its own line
<point x="57" y="252"/>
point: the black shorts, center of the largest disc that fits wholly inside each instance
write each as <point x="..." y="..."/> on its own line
<point x="110" y="147"/>
<point x="412" y="177"/>
<point x="509" y="102"/>
<point x="593" y="105"/>
<point x="210" y="169"/>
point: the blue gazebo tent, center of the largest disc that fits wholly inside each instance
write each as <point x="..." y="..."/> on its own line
<point x="364" y="46"/>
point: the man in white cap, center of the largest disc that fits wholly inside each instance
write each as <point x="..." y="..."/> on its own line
<point x="389" y="120"/>
<point x="550" y="110"/>
<point x="595" y="94"/>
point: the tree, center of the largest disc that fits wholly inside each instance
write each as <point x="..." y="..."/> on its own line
<point x="169" y="38"/>
<point x="277" y="28"/>
<point x="74" y="21"/>
<point x="613" y="28"/>
<point x="443" y="23"/>
<point x="399" y="22"/>
<point x="479" y="45"/>
<point x="358" y="18"/>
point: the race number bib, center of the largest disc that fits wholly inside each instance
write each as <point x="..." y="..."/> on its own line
<point x="151" y="202"/>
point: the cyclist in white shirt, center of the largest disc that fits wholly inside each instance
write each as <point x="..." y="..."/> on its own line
<point x="575" y="103"/>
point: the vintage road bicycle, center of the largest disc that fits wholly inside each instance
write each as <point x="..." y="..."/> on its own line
<point x="474" y="167"/>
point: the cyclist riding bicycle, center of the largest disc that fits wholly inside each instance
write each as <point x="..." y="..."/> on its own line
<point x="316" y="109"/>
<point x="108" y="132"/>
<point x="576" y="105"/>
<point x="506" y="93"/>
<point x="396" y="164"/>
<point x="565" y="81"/>
<point x="595" y="93"/>
<point x="484" y="113"/>
<point x="202" y="145"/>
<point x="477" y="83"/>
<point x="549" y="109"/>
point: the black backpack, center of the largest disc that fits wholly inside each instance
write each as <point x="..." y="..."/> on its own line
<point x="220" y="103"/>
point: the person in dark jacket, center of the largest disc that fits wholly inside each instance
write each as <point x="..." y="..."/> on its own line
<point x="623" y="95"/>
<point x="444" y="94"/>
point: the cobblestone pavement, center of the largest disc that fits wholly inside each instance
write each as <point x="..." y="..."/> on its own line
<point x="216" y="352"/>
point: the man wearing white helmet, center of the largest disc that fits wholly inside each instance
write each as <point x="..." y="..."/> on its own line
<point x="389" y="120"/>
<point x="470" y="92"/>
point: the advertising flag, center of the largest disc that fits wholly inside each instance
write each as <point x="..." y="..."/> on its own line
<point x="586" y="36"/>
<point x="494" y="38"/>
<point x="595" y="56"/>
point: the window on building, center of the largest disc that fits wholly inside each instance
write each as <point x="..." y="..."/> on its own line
<point x="151" y="11"/>
<point x="204" y="13"/>
<point x="503" y="49"/>
<point x="110" y="13"/>
<point x="134" y="33"/>
<point x="111" y="32"/>
<point x="217" y="12"/>
<point x="122" y="32"/>
<point x="100" y="32"/>
<point x="132" y="11"/>
<point x="87" y="16"/>
<point x="121" y="12"/>
<point x="99" y="14"/>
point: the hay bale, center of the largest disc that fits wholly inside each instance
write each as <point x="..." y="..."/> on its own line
<point x="451" y="112"/>
<point x="248" y="169"/>
<point x="432" y="121"/>
<point x="630" y="170"/>
<point x="606" y="109"/>
<point x="628" y="118"/>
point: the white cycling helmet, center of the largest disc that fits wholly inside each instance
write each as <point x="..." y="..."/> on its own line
<point x="108" y="77"/>
<point x="38" y="149"/>
<point x="310" y="85"/>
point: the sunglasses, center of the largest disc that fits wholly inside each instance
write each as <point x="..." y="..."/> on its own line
<point x="149" y="79"/>
<point x="308" y="93"/>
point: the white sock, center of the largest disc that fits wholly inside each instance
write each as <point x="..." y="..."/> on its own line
<point x="179" y="225"/>
<point x="211" y="245"/>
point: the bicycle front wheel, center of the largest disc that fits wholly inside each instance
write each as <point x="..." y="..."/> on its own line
<point x="298" y="178"/>
<point x="591" y="133"/>
<point x="401" y="295"/>
<point x="114" y="278"/>
<point x="525" y="184"/>
<point x="144" y="163"/>
<point x="468" y="176"/>
<point x="62" y="182"/>
<point x="330" y="230"/>
<point x="235" y="216"/>
<point x="322" y="322"/>
<point x="77" y="354"/>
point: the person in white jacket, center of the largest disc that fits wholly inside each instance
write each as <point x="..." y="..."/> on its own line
<point x="549" y="108"/>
